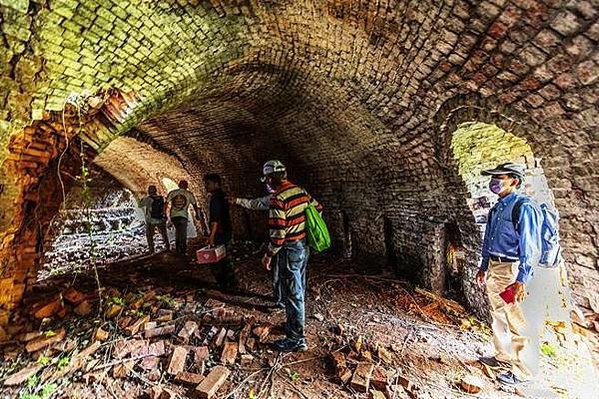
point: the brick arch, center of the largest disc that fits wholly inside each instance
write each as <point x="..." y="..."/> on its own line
<point x="462" y="109"/>
<point x="359" y="82"/>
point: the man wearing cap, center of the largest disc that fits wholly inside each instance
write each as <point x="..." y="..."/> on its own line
<point x="287" y="232"/>
<point x="511" y="246"/>
<point x="179" y="201"/>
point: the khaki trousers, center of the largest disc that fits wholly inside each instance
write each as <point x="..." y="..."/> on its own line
<point x="515" y="337"/>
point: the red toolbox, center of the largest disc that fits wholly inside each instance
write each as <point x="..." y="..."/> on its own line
<point x="209" y="254"/>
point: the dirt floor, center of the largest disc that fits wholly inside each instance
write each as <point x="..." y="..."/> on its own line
<point x="413" y="344"/>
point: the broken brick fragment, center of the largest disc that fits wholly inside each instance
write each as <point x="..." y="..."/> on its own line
<point x="229" y="354"/>
<point x="48" y="309"/>
<point x="178" y="358"/>
<point x="123" y="370"/>
<point x="101" y="335"/>
<point x="45" y="340"/>
<point x="220" y="338"/>
<point x="134" y="328"/>
<point x="247" y="360"/>
<point x="160" y="331"/>
<point x="185" y="377"/>
<point x="155" y="349"/>
<point x="113" y="311"/>
<point x="212" y="383"/>
<point x="149" y="362"/>
<point x="73" y="296"/>
<point x="379" y="379"/>
<point x="361" y="378"/>
<point x="188" y="330"/>
<point x="262" y="332"/>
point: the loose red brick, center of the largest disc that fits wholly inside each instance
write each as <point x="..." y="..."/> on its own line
<point x="212" y="383"/>
<point x="178" y="358"/>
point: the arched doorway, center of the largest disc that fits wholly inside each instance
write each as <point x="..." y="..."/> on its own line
<point x="477" y="146"/>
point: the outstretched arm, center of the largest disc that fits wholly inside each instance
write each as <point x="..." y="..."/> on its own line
<point x="255" y="204"/>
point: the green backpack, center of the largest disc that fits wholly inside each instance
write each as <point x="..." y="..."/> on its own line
<point x="316" y="229"/>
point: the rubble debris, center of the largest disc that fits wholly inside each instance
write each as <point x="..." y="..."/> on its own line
<point x="113" y="311"/>
<point x="185" y="377"/>
<point x="73" y="296"/>
<point x="48" y="309"/>
<point x="247" y="360"/>
<point x="154" y="375"/>
<point x="243" y="336"/>
<point x="101" y="334"/>
<point x="405" y="383"/>
<point x="220" y="339"/>
<point x="379" y="378"/>
<point x="84" y="308"/>
<point x="49" y="338"/>
<point x="188" y="330"/>
<point x="471" y="384"/>
<point x="229" y="354"/>
<point x="250" y="344"/>
<point x="201" y="354"/>
<point x="178" y="358"/>
<point x="361" y="378"/>
<point x="26" y="337"/>
<point x="341" y="370"/>
<point x="164" y="315"/>
<point x="357" y="344"/>
<point x="157" y="348"/>
<point x="160" y="331"/>
<point x="262" y="332"/>
<point x="319" y="316"/>
<point x="150" y="325"/>
<point x="134" y="328"/>
<point x="212" y="383"/>
<point x="124" y="347"/>
<point x="149" y="362"/>
<point x="122" y="370"/>
<point x="384" y="355"/>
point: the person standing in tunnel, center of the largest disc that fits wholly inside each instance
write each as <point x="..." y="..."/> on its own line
<point x="179" y="201"/>
<point x="511" y="247"/>
<point x="287" y="232"/>
<point x="153" y="206"/>
<point x="263" y="204"/>
<point x="220" y="232"/>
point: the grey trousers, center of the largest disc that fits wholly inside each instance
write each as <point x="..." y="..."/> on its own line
<point x="151" y="229"/>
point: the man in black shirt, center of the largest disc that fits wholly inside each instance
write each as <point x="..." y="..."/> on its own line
<point x="220" y="231"/>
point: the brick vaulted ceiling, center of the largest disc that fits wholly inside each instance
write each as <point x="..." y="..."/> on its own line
<point x="359" y="97"/>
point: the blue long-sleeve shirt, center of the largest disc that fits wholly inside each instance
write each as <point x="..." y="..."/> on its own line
<point x="501" y="239"/>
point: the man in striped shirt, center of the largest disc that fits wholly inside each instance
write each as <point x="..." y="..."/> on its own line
<point x="287" y="231"/>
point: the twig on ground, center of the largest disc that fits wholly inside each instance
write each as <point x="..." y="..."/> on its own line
<point x="242" y="383"/>
<point x="296" y="389"/>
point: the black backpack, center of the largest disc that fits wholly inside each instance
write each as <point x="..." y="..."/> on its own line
<point x="157" y="209"/>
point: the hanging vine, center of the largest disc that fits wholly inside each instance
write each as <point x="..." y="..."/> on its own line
<point x="87" y="204"/>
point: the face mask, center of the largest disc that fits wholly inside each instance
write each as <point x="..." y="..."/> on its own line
<point x="496" y="185"/>
<point x="270" y="189"/>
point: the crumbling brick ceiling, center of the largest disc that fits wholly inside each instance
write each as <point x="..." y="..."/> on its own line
<point x="358" y="98"/>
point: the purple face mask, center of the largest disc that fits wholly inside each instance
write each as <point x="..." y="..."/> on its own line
<point x="496" y="185"/>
